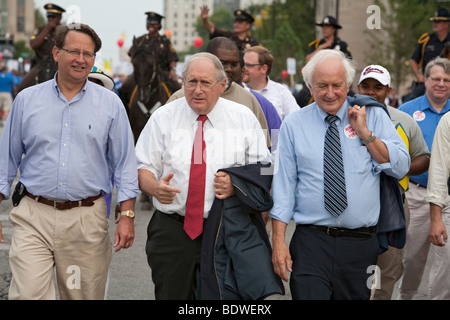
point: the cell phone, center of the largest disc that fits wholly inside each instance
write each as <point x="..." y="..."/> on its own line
<point x="18" y="194"/>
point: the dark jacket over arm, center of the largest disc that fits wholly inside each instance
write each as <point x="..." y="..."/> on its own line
<point x="391" y="227"/>
<point x="236" y="253"/>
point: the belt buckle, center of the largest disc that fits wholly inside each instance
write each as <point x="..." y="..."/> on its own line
<point x="332" y="231"/>
<point x="55" y="203"/>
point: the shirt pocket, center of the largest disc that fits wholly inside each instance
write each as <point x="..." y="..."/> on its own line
<point x="359" y="157"/>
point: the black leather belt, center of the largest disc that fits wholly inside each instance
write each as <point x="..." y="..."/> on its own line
<point x="65" y="205"/>
<point x="343" y="232"/>
<point x="176" y="216"/>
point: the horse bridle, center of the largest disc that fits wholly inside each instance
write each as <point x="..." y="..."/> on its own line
<point x="152" y="90"/>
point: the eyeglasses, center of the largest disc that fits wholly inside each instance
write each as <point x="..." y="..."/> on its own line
<point x="249" y="65"/>
<point x="204" y="85"/>
<point x="76" y="53"/>
<point x="438" y="80"/>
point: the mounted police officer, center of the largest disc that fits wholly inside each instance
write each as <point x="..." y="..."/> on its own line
<point x="430" y="46"/>
<point x="43" y="66"/>
<point x="162" y="48"/>
<point x="165" y="55"/>
<point x="241" y="34"/>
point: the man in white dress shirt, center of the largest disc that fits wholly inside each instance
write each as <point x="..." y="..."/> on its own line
<point x="257" y="67"/>
<point x="233" y="137"/>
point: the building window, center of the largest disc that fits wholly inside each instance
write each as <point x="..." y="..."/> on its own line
<point x="20" y="24"/>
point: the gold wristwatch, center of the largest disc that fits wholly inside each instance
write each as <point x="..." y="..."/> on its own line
<point x="128" y="213"/>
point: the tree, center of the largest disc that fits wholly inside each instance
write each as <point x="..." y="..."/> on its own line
<point x="39" y="19"/>
<point x="284" y="44"/>
<point x="22" y="49"/>
<point x="393" y="44"/>
<point x="286" y="29"/>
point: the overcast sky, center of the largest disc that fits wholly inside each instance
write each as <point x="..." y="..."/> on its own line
<point x="110" y="19"/>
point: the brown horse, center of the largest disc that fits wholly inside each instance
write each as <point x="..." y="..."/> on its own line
<point x="149" y="91"/>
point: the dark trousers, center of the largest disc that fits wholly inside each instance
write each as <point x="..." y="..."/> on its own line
<point x="173" y="257"/>
<point x="331" y="268"/>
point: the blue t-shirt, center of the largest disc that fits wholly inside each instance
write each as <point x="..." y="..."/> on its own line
<point x="7" y="82"/>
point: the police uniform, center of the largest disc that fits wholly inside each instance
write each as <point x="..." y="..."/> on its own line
<point x="162" y="47"/>
<point x="43" y="60"/>
<point x="429" y="47"/>
<point x="337" y="44"/>
<point x="249" y="41"/>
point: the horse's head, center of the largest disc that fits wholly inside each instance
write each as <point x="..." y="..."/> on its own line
<point x="145" y="69"/>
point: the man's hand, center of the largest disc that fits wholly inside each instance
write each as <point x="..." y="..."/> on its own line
<point x="357" y="118"/>
<point x="124" y="236"/>
<point x="281" y="258"/>
<point x="222" y="185"/>
<point x="164" y="192"/>
<point x="204" y="12"/>
<point x="438" y="233"/>
<point x="207" y="24"/>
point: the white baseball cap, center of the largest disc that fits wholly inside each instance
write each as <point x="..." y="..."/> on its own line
<point x="376" y="72"/>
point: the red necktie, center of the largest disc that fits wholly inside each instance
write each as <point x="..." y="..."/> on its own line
<point x="193" y="221"/>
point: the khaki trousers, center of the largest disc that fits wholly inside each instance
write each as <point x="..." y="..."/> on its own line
<point x="74" y="243"/>
<point x="417" y="248"/>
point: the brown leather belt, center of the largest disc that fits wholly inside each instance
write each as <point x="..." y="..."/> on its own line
<point x="65" y="205"/>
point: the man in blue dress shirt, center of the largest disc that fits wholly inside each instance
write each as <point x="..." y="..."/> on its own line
<point x="331" y="255"/>
<point x="67" y="136"/>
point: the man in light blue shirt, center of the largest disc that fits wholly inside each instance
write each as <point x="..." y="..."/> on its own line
<point x="327" y="262"/>
<point x="67" y="136"/>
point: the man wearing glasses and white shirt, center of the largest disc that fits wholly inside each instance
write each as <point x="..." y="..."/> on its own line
<point x="168" y="152"/>
<point x="257" y="67"/>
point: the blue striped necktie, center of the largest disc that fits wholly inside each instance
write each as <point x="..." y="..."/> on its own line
<point x="333" y="170"/>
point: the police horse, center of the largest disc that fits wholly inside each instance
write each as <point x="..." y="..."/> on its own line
<point x="149" y="92"/>
<point x="41" y="71"/>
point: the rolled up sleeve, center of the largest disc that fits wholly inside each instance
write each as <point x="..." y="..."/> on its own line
<point x="285" y="179"/>
<point x="438" y="173"/>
